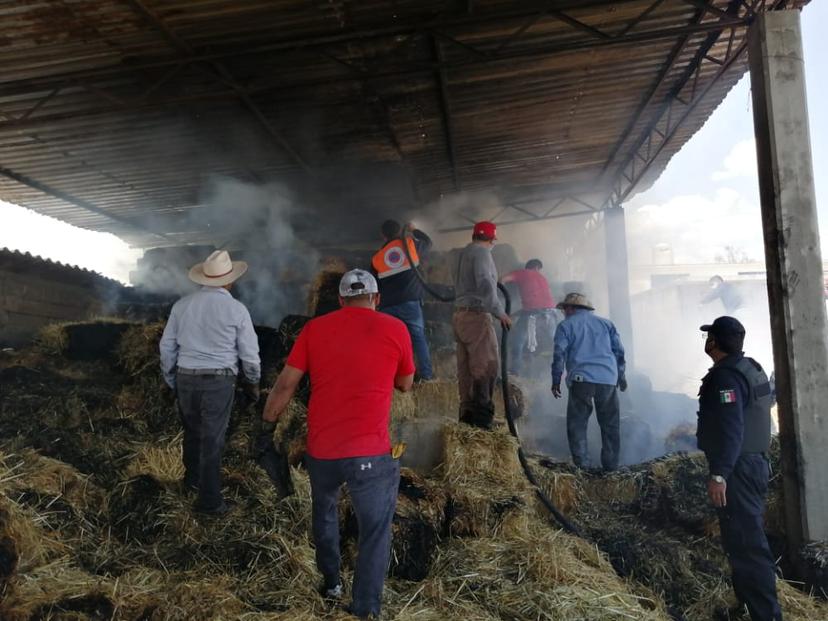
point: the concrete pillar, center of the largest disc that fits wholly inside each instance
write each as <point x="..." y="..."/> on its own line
<point x="794" y="266"/>
<point x="618" y="278"/>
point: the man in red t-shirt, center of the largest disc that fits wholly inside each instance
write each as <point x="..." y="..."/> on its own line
<point x="355" y="357"/>
<point x="537" y="312"/>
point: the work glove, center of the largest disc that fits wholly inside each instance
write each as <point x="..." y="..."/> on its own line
<point x="263" y="439"/>
<point x="251" y="391"/>
<point x="622" y="383"/>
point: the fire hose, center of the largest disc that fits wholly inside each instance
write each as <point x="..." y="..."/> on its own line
<point x="559" y="517"/>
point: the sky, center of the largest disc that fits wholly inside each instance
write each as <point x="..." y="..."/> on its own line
<point x="706" y="199"/>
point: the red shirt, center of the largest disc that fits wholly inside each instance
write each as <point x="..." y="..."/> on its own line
<point x="534" y="290"/>
<point x="352" y="356"/>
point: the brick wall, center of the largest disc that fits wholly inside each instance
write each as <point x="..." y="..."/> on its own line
<point x="35" y="292"/>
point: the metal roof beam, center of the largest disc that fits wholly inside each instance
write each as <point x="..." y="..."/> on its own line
<point x="445" y="105"/>
<point x="397" y="30"/>
<point x="78" y="202"/>
<point x="572" y="214"/>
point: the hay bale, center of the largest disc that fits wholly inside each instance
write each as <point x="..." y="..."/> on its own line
<point x="419" y="521"/>
<point x="403" y="406"/>
<point x="52" y="339"/>
<point x="324" y="292"/>
<point x="681" y="438"/>
<point x="444" y="363"/>
<point x="483" y="460"/>
<point x="815" y="560"/>
<point x="564" y="489"/>
<point x="138" y="348"/>
<point x="674" y="490"/>
<point x="487" y="485"/>
<point x="436" y="399"/>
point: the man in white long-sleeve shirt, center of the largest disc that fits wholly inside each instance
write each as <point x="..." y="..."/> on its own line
<point x="206" y="336"/>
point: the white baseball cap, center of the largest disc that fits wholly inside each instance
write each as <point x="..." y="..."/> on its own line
<point x="357" y="282"/>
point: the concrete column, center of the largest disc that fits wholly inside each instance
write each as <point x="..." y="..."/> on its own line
<point x="618" y="278"/>
<point x="794" y="265"/>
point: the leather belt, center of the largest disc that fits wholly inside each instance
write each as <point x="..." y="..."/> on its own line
<point x="181" y="371"/>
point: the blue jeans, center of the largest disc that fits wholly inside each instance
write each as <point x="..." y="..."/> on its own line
<point x="582" y="395"/>
<point x="411" y="313"/>
<point x="373" y="483"/>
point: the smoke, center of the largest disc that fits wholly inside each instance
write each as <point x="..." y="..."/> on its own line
<point x="254" y="222"/>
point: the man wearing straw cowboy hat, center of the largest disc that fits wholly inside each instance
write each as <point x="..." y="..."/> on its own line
<point x="591" y="350"/>
<point x="206" y="336"/>
<point x="355" y="357"/>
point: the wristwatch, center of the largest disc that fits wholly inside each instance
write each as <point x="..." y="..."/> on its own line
<point x="717" y="478"/>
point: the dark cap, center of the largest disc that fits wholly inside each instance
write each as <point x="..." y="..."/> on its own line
<point x="724" y="327"/>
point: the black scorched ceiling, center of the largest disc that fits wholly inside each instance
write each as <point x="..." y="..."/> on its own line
<point x="116" y="114"/>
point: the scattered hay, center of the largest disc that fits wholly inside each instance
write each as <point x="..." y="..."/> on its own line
<point x="162" y="463"/>
<point x="100" y="528"/>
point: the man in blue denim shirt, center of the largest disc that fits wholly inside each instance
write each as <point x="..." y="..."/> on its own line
<point x="591" y="349"/>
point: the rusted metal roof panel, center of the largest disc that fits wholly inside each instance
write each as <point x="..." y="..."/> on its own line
<point x="115" y="115"/>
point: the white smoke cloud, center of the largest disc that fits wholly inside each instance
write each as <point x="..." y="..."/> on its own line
<point x="740" y="162"/>
<point x="697" y="227"/>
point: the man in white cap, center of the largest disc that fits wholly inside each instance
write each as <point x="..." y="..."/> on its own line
<point x="355" y="357"/>
<point x="206" y="336"/>
<point x="591" y="350"/>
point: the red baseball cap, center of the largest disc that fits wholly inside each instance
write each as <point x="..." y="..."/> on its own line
<point x="485" y="229"/>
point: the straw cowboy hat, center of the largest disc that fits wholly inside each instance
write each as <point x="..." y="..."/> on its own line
<point x="578" y="300"/>
<point x="218" y="270"/>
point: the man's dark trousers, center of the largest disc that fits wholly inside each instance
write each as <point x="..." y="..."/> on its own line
<point x="744" y="541"/>
<point x="411" y="314"/>
<point x="579" y="409"/>
<point x="373" y="483"/>
<point x="205" y="402"/>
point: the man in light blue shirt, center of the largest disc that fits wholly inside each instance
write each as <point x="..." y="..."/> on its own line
<point x="591" y="350"/>
<point x="206" y="336"/>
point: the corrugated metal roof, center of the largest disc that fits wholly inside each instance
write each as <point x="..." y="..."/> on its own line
<point x="114" y="114"/>
<point x="22" y="263"/>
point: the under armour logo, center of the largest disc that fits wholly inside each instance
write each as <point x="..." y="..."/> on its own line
<point x="365" y="466"/>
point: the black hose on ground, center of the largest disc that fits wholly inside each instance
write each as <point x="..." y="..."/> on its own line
<point x="559" y="517"/>
<point x="507" y="408"/>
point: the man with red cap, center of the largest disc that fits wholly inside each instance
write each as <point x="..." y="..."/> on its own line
<point x="475" y="303"/>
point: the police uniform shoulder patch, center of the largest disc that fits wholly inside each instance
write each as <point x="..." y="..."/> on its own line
<point x="727" y="396"/>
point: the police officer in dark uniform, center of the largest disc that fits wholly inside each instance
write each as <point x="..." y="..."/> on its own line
<point x="734" y="433"/>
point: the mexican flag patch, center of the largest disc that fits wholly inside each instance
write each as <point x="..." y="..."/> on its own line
<point x="727" y="396"/>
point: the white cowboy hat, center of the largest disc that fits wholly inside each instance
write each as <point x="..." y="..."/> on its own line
<point x="218" y="270"/>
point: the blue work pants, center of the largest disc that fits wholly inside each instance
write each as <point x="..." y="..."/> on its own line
<point x="373" y="484"/>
